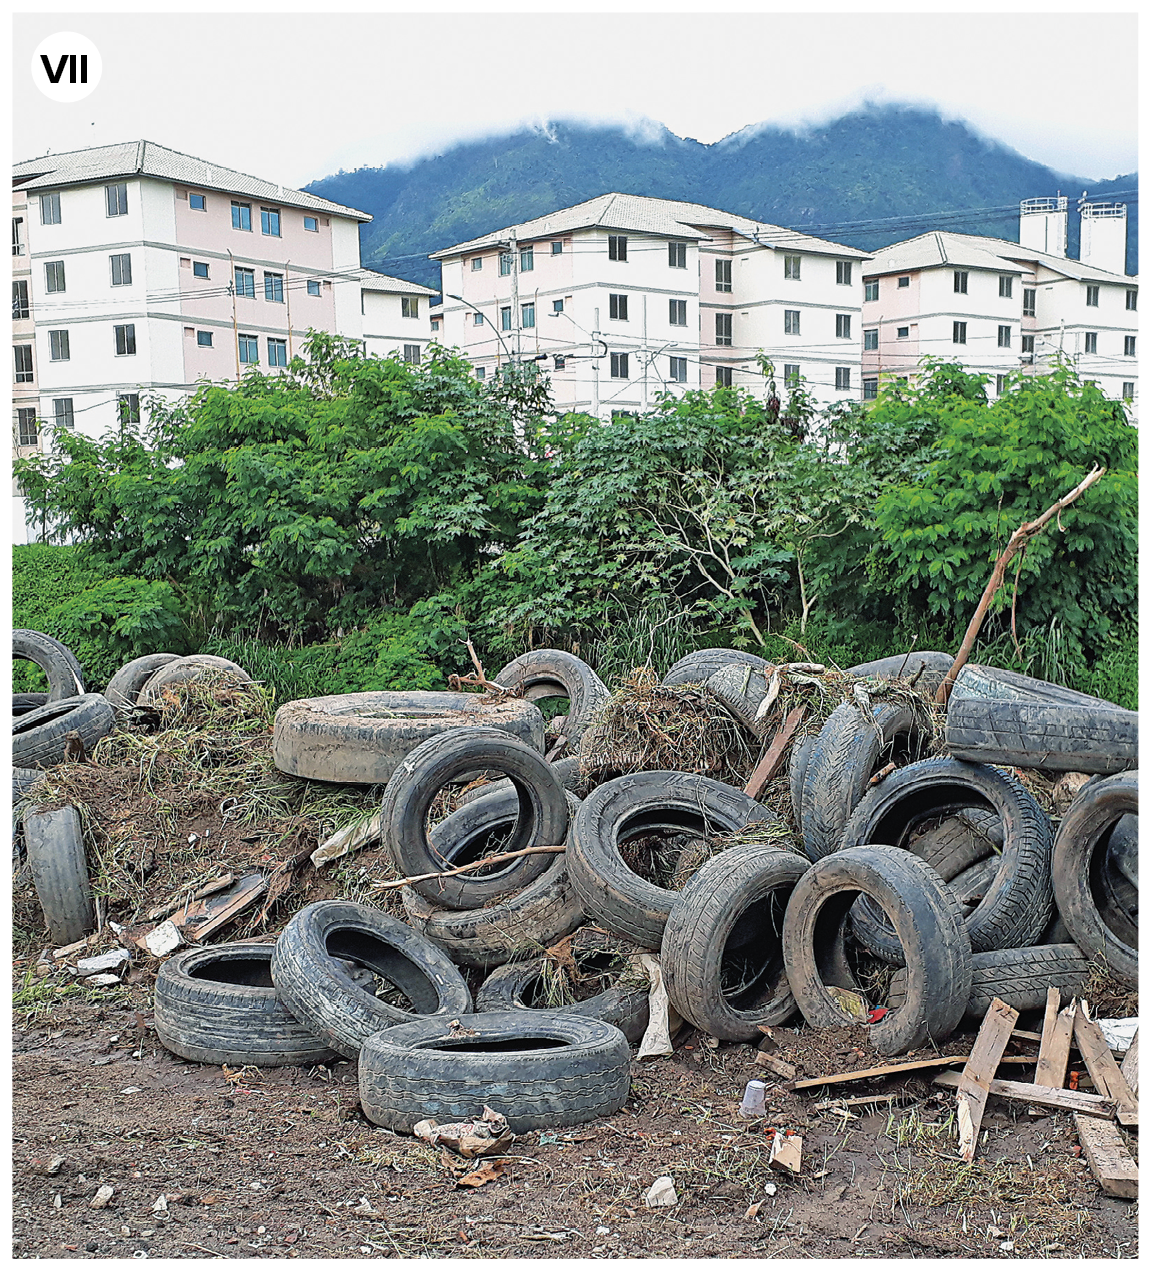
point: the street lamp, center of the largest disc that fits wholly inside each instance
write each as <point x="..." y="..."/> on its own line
<point x="488" y="320"/>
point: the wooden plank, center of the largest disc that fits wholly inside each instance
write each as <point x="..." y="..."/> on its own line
<point x="199" y="919"/>
<point x="772" y="759"/>
<point x="1055" y="1045"/>
<point x="1107" y="1155"/>
<point x="979" y="1071"/>
<point x="862" y="1100"/>
<point x="885" y="1070"/>
<point x="1105" y="1072"/>
<point x="1065" y="1100"/>
<point x="1130" y="1065"/>
<point x="780" y="1067"/>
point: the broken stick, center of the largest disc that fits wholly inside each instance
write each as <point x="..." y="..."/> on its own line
<point x="1055" y="1045"/>
<point x="769" y="765"/>
<point x="975" y="1080"/>
<point x="463" y="869"/>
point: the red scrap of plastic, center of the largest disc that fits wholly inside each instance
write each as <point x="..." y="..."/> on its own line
<point x="875" y="1015"/>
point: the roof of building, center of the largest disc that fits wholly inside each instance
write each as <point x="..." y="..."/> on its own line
<point x="667" y="218"/>
<point x="370" y="280"/>
<point x="146" y="158"/>
<point x="974" y="251"/>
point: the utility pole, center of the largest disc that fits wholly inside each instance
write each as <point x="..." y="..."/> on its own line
<point x="516" y="328"/>
<point x="595" y="366"/>
<point x="235" y="327"/>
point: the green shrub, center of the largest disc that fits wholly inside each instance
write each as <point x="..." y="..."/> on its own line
<point x="44" y="576"/>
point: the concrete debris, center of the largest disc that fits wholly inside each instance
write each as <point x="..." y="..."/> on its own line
<point x="163" y="939"/>
<point x="102" y="1197"/>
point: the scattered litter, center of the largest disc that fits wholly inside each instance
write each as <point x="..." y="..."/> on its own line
<point x="753" y="1100"/>
<point x="780" y="1067"/>
<point x="102" y="962"/>
<point x="1118" y="1033"/>
<point x="163" y="939"/>
<point x="103" y="981"/>
<point x="662" y="1019"/>
<point x="348" y="840"/>
<point x="850" y="1003"/>
<point x="487" y="1137"/>
<point x="661" y="1194"/>
<point x="487" y="1173"/>
<point x="161" y="1205"/>
<point x="786" y="1152"/>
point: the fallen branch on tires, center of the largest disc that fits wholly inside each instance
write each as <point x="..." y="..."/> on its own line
<point x="463" y="869"/>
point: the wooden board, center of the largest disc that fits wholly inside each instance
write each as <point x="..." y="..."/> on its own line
<point x="1065" y="1100"/>
<point x="770" y="764"/>
<point x="1055" y="1044"/>
<point x="1108" y="1157"/>
<point x="1105" y="1073"/>
<point x="1130" y="1065"/>
<point x="974" y="1081"/>
<point x="885" y="1070"/>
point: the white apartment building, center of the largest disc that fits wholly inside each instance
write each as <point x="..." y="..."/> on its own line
<point x="624" y="297"/>
<point x="997" y="306"/>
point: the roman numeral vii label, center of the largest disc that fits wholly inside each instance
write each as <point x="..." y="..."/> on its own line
<point x="66" y="67"/>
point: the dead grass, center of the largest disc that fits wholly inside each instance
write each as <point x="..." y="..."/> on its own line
<point x="1109" y="998"/>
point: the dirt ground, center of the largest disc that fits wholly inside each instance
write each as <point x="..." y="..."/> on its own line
<point x="281" y="1163"/>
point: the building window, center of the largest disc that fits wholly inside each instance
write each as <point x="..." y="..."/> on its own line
<point x="557" y="248"/>
<point x="270" y="221"/>
<point x="1093" y="297"/>
<point x="197" y="202"/>
<point x="506" y="318"/>
<point x="723" y="328"/>
<point x="23" y="355"/>
<point x="27" y="429"/>
<point x="1128" y="392"/>
<point x="249" y="349"/>
<point x="1132" y="301"/>
<point x="17" y="236"/>
<point x="1000" y="384"/>
<point x="1027" y="343"/>
<point x="617" y="307"/>
<point x="843" y="273"/>
<point x="313" y="287"/>
<point x="870" y="390"/>
<point x="20" y="299"/>
<point x="481" y="372"/>
<point x="557" y="306"/>
<point x="116" y="198"/>
<point x="791" y="322"/>
<point x="619" y="366"/>
<point x="677" y="369"/>
<point x="277" y="352"/>
<point x="311" y="225"/>
<point x="505" y="263"/>
<point x="245" y="282"/>
<point x="200" y="268"/>
<point x="274" y="287"/>
<point x="677" y="313"/>
<point x="617" y="250"/>
<point x="959" y="333"/>
<point x="961" y="281"/>
<point x="905" y="281"/>
<point x="843" y="377"/>
<point x="1029" y="302"/>
<point x="50" y="209"/>
<point x="241" y="215"/>
<point x="122" y="270"/>
<point x="54" y="275"/>
<point x="125" y="339"/>
<point x="1090" y="341"/>
<point x="791" y="265"/>
<point x="1005" y="282"/>
<point x="527" y="259"/>
<point x="435" y="324"/>
<point x="791" y="373"/>
<point x="62" y="410"/>
<point x="1128" y="346"/>
<point x="723" y="275"/>
<point x="528" y="315"/>
<point x="871" y="339"/>
<point x="409" y="306"/>
<point x="843" y="326"/>
<point x="204" y="339"/>
<point x="902" y="333"/>
<point x="723" y="376"/>
<point x="560" y="361"/>
<point x="871" y="289"/>
<point x="478" y="320"/>
<point x="477" y="264"/>
<point x="59" y="346"/>
<point x="1004" y="337"/>
<point x="677" y="255"/>
<point x="128" y="408"/>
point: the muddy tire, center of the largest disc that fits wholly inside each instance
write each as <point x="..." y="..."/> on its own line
<point x="312" y="980"/>
<point x="797" y="772"/>
<point x="39" y="738"/>
<point x="553" y="673"/>
<point x="1079" y="856"/>
<point x="23" y="779"/>
<point x="541" y="1069"/>
<point x="932" y="665"/>
<point x="992" y="683"/>
<point x="634" y="806"/>
<point x="22" y="703"/>
<point x="566" y="769"/>
<point x="742" y="689"/>
<point x="125" y="686"/>
<point x="722" y="951"/>
<point x="960" y="841"/>
<point x="59" y="864"/>
<point x="183" y="671"/>
<point x="217" y="1005"/>
<point x="1017" y="905"/>
<point x="362" y="738"/>
<point x="848" y="751"/>
<point x="700" y="666"/>
<point x="934" y="944"/>
<point x="56" y="660"/>
<point x="542" y="815"/>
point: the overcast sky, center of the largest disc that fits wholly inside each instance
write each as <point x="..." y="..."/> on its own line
<point x="293" y="96"/>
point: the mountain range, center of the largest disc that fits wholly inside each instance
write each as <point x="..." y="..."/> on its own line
<point x="874" y="176"/>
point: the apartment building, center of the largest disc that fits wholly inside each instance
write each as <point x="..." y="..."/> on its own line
<point x="141" y="271"/>
<point x="997" y="306"/>
<point x="624" y="297"/>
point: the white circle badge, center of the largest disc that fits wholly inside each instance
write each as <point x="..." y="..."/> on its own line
<point x="66" y="67"/>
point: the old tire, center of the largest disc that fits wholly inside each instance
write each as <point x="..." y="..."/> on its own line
<point x="125" y="686"/>
<point x="318" y="989"/>
<point x="22" y="703"/>
<point x="542" y="815"/>
<point x="722" y="951"/>
<point x="742" y="690"/>
<point x="960" y="841"/>
<point x="183" y="671"/>
<point x="362" y="738"/>
<point x="700" y="666"/>
<point x="553" y="673"/>
<point x="931" y="665"/>
<point x="1017" y="905"/>
<point x="217" y="1005"/>
<point x="1079" y="855"/>
<point x="567" y="770"/>
<point x="992" y="683"/>
<point x="633" y="806"/>
<point x="39" y="738"/>
<point x="935" y="946"/>
<point x="797" y="772"/>
<point x="55" y="845"/>
<point x="55" y="659"/>
<point x="540" y="1069"/>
